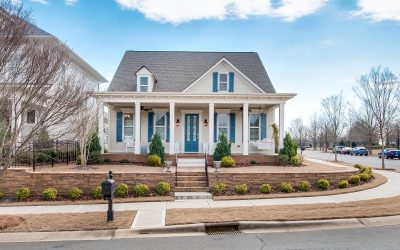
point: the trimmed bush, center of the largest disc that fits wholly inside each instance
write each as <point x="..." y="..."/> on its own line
<point x="141" y="190"/>
<point x="289" y="147"/>
<point x="75" y="193"/>
<point x="163" y="188"/>
<point x="49" y="194"/>
<point x="305" y="186"/>
<point x="2" y="195"/>
<point x="241" y="189"/>
<point x="364" y="176"/>
<point x="253" y="162"/>
<point x="121" y="190"/>
<point x="295" y="161"/>
<point x="366" y="171"/>
<point x="124" y="161"/>
<point x="354" y="179"/>
<point x="283" y="160"/>
<point x="286" y="187"/>
<point x="228" y="162"/>
<point x="265" y="188"/>
<point x="359" y="166"/>
<point x="23" y="194"/>
<point x="107" y="160"/>
<point x="97" y="192"/>
<point x="154" y="160"/>
<point x="223" y="148"/>
<point x="343" y="184"/>
<point x="219" y="188"/>
<point x="323" y="184"/>
<point x="156" y="147"/>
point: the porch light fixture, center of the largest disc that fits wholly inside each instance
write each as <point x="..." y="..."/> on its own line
<point x="205" y="122"/>
<point x="178" y="123"/>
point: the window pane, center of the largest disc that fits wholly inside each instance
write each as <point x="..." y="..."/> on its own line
<point x="161" y="132"/>
<point x="223" y="86"/>
<point x="194" y="126"/>
<point x="222" y="130"/>
<point x="223" y="120"/>
<point x="187" y="124"/>
<point x="160" y="119"/>
<point x="254" y="134"/>
<point x="128" y="131"/>
<point x="144" y="88"/>
<point x="128" y="119"/>
<point x="144" y="81"/>
<point x="254" y="120"/>
<point x="30" y="117"/>
<point x="223" y="78"/>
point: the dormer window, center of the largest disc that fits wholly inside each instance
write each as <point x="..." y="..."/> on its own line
<point x="223" y="82"/>
<point x="144" y="84"/>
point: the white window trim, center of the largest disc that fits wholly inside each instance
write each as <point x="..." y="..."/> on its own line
<point x="34" y="122"/>
<point x="227" y="82"/>
<point x="259" y="126"/>
<point x="123" y="126"/>
<point x="161" y="126"/>
<point x="228" y="125"/>
<point x="142" y="85"/>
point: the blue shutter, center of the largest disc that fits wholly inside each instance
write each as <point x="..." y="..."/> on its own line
<point x="263" y="126"/>
<point x="215" y="127"/>
<point x="215" y="81"/>
<point x="167" y="127"/>
<point x="232" y="127"/>
<point x="119" y="126"/>
<point x="231" y="82"/>
<point x="150" y="126"/>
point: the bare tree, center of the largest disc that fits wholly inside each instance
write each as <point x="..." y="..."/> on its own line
<point x="334" y="110"/>
<point x="365" y="126"/>
<point x="35" y="76"/>
<point x="324" y="132"/>
<point x="298" y="131"/>
<point x="379" y="92"/>
<point x="314" y="130"/>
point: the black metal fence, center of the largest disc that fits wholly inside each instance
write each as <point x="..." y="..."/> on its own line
<point x="45" y="153"/>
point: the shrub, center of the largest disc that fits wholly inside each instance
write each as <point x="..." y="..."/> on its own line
<point x="75" y="193"/>
<point x="283" y="160"/>
<point x="121" y="190"/>
<point x="219" y="188"/>
<point x="275" y="135"/>
<point x="286" y="187"/>
<point x="296" y="161"/>
<point x="163" y="188"/>
<point x="156" y="147"/>
<point x="2" y="195"/>
<point x="289" y="147"/>
<point x="94" y="145"/>
<point x="253" y="162"/>
<point x="23" y="194"/>
<point x="354" y="179"/>
<point x="241" y="189"/>
<point x="366" y="170"/>
<point x="49" y="194"/>
<point x="97" y="192"/>
<point x="359" y="166"/>
<point x="124" y="161"/>
<point x="364" y="176"/>
<point x="154" y="160"/>
<point x="94" y="158"/>
<point x="141" y="190"/>
<point x="265" y="188"/>
<point x="305" y="186"/>
<point x="323" y="184"/>
<point x="228" y="162"/>
<point x="343" y="184"/>
<point x="223" y="148"/>
<point x="107" y="160"/>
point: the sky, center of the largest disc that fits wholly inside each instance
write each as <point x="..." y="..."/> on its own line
<point x="315" y="48"/>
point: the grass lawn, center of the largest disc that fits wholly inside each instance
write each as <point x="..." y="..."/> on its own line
<point x="65" y="222"/>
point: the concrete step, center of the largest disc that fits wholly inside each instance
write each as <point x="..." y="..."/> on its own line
<point x="191" y="178"/>
<point x="190" y="162"/>
<point x="191" y="189"/>
<point x="192" y="195"/>
<point x="191" y="184"/>
<point x="190" y="173"/>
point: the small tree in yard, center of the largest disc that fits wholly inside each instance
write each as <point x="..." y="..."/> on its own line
<point x="275" y="135"/>
<point x="156" y="147"/>
<point x="223" y="148"/>
<point x="289" y="147"/>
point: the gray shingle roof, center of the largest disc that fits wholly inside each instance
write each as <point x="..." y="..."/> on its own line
<point x="176" y="70"/>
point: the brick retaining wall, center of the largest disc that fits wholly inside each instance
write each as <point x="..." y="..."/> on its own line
<point x="12" y="180"/>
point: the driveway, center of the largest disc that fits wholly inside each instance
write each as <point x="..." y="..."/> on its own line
<point x="371" y="161"/>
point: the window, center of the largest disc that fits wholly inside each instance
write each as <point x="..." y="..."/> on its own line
<point x="254" y="120"/>
<point x="223" y="82"/>
<point x="31" y="117"/>
<point x="222" y="125"/>
<point x="160" y="124"/>
<point x="128" y="125"/>
<point x="144" y="84"/>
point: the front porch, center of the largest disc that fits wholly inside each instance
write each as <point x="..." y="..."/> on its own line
<point x="190" y="123"/>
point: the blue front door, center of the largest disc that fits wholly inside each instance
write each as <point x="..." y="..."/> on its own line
<point x="191" y="133"/>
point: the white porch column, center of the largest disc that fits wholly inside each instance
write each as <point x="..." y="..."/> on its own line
<point x="101" y="126"/>
<point x="281" y="124"/>
<point x="137" y="128"/>
<point x="245" y="129"/>
<point x="211" y="128"/>
<point x="171" y="128"/>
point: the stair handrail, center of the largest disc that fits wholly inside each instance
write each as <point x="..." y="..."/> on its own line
<point x="206" y="165"/>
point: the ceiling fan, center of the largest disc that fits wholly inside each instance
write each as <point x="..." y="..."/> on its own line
<point x="142" y="108"/>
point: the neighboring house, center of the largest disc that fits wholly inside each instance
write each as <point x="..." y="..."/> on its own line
<point x="77" y="65"/>
<point x="190" y="98"/>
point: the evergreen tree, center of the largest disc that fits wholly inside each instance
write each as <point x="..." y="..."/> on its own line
<point x="289" y="147"/>
<point x="156" y="147"/>
<point x="223" y="148"/>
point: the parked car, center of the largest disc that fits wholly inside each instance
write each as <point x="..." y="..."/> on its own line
<point x="346" y="150"/>
<point x="359" y="151"/>
<point x="391" y="154"/>
<point x="338" y="149"/>
<point x="385" y="152"/>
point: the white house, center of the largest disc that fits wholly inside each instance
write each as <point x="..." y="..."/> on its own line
<point x="189" y="98"/>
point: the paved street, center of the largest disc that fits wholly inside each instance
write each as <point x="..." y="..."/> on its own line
<point x="371" y="161"/>
<point x="356" y="238"/>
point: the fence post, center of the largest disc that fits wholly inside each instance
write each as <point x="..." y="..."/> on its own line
<point x="33" y="157"/>
<point x="67" y="153"/>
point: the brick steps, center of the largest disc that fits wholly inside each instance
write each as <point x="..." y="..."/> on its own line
<point x="189" y="181"/>
<point x="180" y="178"/>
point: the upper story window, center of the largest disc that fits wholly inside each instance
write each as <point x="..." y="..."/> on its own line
<point x="31" y="117"/>
<point x="144" y="84"/>
<point x="222" y="124"/>
<point x="254" y="120"/>
<point x="223" y="82"/>
<point x="160" y="124"/>
<point x="128" y="125"/>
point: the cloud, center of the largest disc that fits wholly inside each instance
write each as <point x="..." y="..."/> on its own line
<point x="40" y="1"/>
<point x="179" y="11"/>
<point x="329" y="43"/>
<point x="70" y="2"/>
<point x="378" y="10"/>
